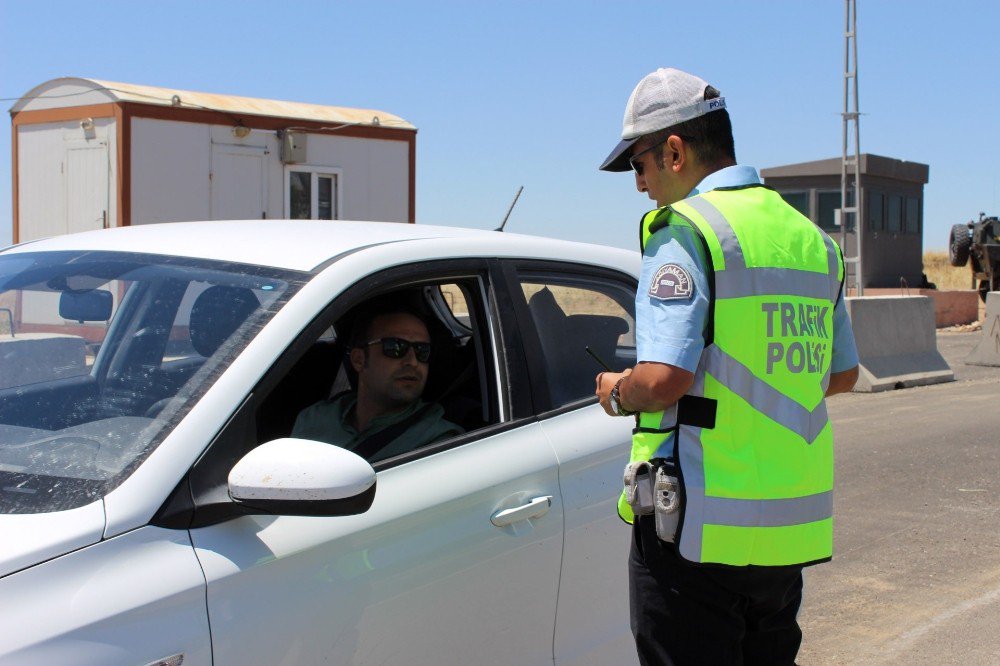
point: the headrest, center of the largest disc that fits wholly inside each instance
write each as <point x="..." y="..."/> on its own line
<point x="543" y="303"/>
<point x="217" y="313"/>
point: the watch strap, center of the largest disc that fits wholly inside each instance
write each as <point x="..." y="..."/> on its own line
<point x="617" y="399"/>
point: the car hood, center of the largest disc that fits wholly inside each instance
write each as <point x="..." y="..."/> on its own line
<point x="30" y="538"/>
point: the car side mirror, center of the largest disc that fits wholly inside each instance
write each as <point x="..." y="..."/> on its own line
<point x="81" y="306"/>
<point x="302" y="477"/>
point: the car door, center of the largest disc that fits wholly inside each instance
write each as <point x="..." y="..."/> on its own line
<point x="424" y="576"/>
<point x="565" y="309"/>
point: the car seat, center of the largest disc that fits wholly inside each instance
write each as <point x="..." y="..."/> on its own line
<point x="216" y="314"/>
<point x="564" y="338"/>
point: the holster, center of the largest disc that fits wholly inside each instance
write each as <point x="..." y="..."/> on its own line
<point x="639" y="478"/>
<point x="666" y="500"/>
<point x="653" y="488"/>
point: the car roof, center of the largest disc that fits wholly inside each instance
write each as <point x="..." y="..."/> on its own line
<point x="293" y="244"/>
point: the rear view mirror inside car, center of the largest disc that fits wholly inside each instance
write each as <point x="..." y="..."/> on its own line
<point x="81" y="306"/>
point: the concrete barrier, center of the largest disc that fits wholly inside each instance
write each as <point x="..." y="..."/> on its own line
<point x="30" y="358"/>
<point x="951" y="307"/>
<point x="987" y="351"/>
<point x="897" y="347"/>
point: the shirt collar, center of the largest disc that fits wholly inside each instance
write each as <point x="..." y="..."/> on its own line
<point x="349" y="401"/>
<point x="731" y="176"/>
<point x="344" y="406"/>
<point x="393" y="417"/>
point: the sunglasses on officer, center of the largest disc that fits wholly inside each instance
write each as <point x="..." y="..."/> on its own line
<point x="398" y="348"/>
<point x="634" y="162"/>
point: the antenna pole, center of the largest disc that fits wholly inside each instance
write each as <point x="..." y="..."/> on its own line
<point x="505" y="217"/>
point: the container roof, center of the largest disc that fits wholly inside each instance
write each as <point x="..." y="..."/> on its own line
<point x="871" y="165"/>
<point x="72" y="91"/>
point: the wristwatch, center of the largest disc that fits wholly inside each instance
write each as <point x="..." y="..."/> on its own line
<point x="615" y="400"/>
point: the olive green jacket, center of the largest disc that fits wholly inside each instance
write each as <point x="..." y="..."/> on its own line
<point x="331" y="421"/>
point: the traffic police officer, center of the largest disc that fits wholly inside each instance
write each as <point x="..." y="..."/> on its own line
<point x="741" y="333"/>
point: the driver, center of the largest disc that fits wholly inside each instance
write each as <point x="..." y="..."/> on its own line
<point x="390" y="352"/>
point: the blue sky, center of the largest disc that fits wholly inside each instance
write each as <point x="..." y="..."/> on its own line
<point x="532" y="93"/>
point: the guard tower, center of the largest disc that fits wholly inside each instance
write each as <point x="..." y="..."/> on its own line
<point x="892" y="192"/>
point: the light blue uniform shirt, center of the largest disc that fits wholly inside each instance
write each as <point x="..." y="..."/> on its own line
<point x="673" y="331"/>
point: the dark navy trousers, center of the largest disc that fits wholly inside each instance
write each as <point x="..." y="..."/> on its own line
<point x="687" y="614"/>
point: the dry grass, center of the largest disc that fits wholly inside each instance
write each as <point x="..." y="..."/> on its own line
<point x="7" y="301"/>
<point x="455" y="299"/>
<point x="943" y="274"/>
<point x="575" y="300"/>
<point x="572" y="300"/>
<point x="580" y="300"/>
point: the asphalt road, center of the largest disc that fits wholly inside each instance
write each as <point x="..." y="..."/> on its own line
<point x="915" y="577"/>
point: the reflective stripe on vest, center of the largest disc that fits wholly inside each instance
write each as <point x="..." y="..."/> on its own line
<point x="737" y="280"/>
<point x="758" y="486"/>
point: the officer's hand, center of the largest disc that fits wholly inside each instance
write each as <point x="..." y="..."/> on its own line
<point x="606" y="381"/>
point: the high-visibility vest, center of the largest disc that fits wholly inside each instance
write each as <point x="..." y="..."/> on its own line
<point x="752" y="438"/>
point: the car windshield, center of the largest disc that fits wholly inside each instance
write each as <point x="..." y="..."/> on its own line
<point x="102" y="354"/>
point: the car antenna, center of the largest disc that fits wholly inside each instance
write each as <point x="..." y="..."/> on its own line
<point x="502" y="224"/>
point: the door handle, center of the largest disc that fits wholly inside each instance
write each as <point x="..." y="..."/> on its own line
<point x="536" y="508"/>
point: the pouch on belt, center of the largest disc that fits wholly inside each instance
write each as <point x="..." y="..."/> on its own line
<point x="666" y="500"/>
<point x="639" y="478"/>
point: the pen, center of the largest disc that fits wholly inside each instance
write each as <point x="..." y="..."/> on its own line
<point x="598" y="359"/>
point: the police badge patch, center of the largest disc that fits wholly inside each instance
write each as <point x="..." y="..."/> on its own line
<point x="671" y="282"/>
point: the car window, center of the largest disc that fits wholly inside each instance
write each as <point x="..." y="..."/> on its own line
<point x="453" y="296"/>
<point x="571" y="313"/>
<point x="102" y="353"/>
<point x="318" y="396"/>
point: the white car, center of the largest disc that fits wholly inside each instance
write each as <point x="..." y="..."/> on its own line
<point x="153" y="509"/>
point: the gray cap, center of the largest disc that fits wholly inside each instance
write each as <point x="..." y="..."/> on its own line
<point x="665" y="98"/>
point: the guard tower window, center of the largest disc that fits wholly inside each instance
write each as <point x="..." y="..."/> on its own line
<point x="312" y="193"/>
<point x="894" y="214"/>
<point x="876" y="215"/>
<point x="827" y="203"/>
<point x="797" y="200"/>
<point x="912" y="215"/>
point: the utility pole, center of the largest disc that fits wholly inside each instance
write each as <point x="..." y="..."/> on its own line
<point x="851" y="161"/>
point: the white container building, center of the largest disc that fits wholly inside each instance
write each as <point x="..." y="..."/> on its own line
<point x="91" y="154"/>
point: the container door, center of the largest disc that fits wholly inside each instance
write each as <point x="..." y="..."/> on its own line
<point x="87" y="188"/>
<point x="239" y="182"/>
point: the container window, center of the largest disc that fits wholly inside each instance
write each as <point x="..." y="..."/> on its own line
<point x="299" y="195"/>
<point x="313" y="193"/>
<point x="325" y="202"/>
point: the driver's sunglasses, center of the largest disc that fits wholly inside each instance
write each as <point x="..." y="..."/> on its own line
<point x="634" y="162"/>
<point x="398" y="347"/>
